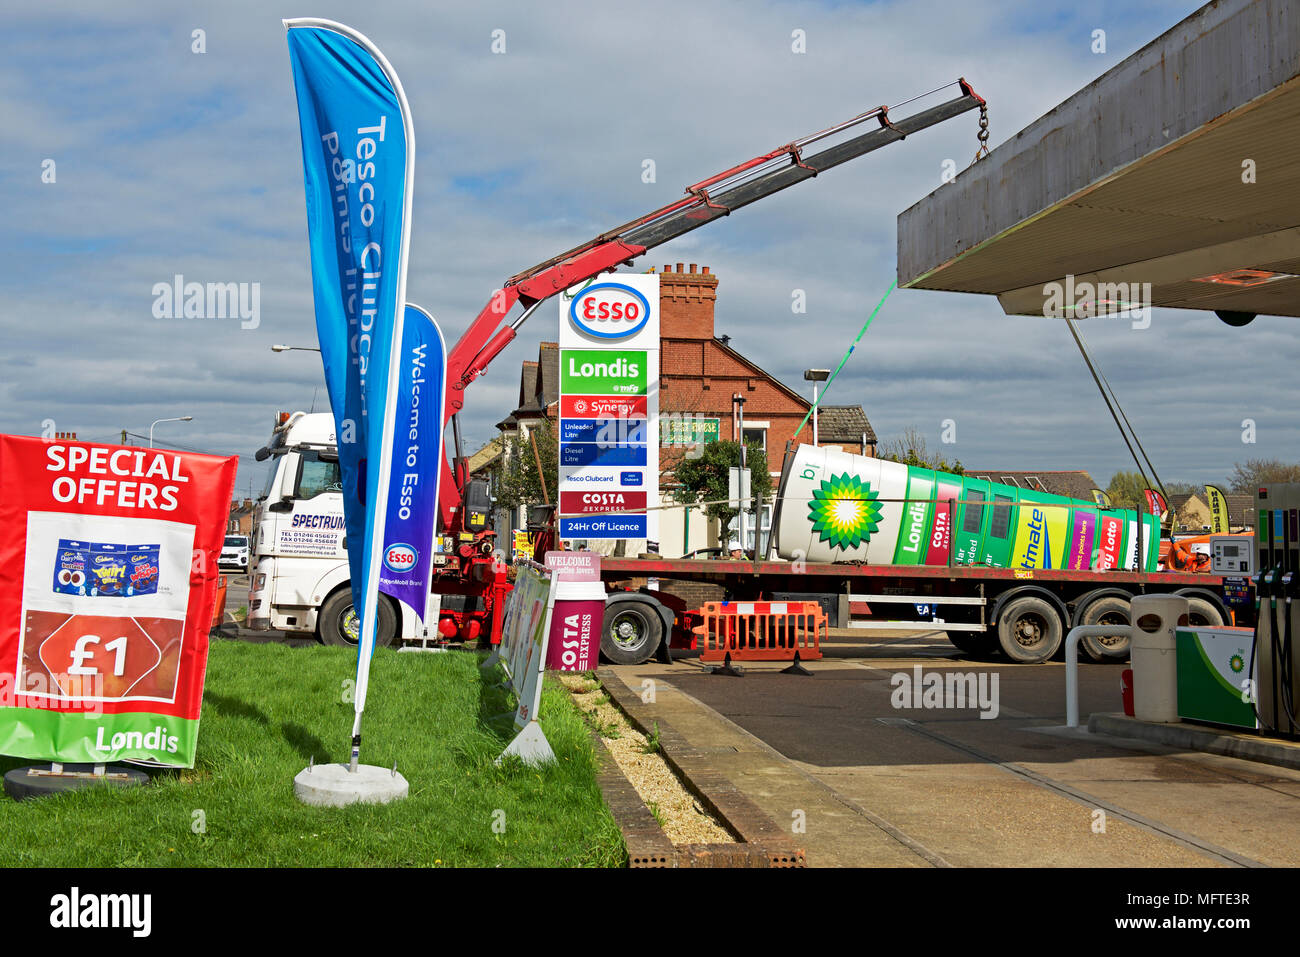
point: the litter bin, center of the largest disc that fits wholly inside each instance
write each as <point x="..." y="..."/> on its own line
<point x="576" y="623"/>
<point x="1155" y="657"/>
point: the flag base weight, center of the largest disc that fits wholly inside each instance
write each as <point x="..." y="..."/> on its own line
<point x="333" y="785"/>
<point x="41" y="780"/>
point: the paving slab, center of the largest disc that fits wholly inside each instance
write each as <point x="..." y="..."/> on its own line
<point x="876" y="785"/>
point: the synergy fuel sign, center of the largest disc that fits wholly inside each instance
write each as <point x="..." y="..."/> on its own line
<point x="609" y="408"/>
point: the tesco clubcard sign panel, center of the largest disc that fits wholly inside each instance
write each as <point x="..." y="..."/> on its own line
<point x="609" y="408"/>
<point x="108" y="577"/>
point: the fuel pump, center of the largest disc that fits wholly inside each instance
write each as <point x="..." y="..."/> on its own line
<point x="1277" y="583"/>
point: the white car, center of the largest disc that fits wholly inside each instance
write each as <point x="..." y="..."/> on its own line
<point x="234" y="553"/>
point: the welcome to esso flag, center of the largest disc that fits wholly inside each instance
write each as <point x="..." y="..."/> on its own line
<point x="108" y="576"/>
<point x="358" y="154"/>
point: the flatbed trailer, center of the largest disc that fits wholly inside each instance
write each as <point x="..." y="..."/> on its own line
<point x="1025" y="613"/>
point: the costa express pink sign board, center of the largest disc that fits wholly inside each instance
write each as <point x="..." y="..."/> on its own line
<point x="108" y="576"/>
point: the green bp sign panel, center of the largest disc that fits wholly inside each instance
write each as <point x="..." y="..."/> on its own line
<point x="609" y="409"/>
<point x="1215" y="683"/>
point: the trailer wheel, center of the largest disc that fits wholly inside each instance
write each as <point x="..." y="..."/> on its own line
<point x="632" y="633"/>
<point x="1202" y="613"/>
<point x="1111" y="610"/>
<point x="338" y="623"/>
<point x="1029" y="630"/>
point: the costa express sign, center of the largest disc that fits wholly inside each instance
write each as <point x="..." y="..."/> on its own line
<point x="592" y="503"/>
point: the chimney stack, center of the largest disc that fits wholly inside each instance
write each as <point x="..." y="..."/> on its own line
<point x="686" y="301"/>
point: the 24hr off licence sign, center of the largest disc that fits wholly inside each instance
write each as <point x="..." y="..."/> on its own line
<point x="108" y="575"/>
<point x="609" y="408"/>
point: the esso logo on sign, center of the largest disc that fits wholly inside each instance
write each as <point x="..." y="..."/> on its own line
<point x="609" y="310"/>
<point x="400" y="557"/>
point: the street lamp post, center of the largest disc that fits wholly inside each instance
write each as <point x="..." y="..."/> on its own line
<point x="180" y="418"/>
<point x="280" y="348"/>
<point x="815" y="376"/>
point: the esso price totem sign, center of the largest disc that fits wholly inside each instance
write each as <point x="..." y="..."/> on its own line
<point x="108" y="577"/>
<point x="610" y="310"/>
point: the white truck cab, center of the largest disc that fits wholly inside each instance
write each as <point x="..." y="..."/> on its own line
<point x="298" y="576"/>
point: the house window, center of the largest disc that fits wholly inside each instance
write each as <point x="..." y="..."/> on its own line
<point x="756" y="435"/>
<point x="764" y="529"/>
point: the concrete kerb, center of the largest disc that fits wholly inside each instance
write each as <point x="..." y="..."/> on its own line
<point x="647" y="845"/>
<point x="761" y="842"/>
<point x="1210" y="740"/>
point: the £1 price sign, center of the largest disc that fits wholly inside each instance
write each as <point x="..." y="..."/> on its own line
<point x="108" y="577"/>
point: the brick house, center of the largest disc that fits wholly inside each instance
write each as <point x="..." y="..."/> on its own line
<point x="1193" y="513"/>
<point x="699" y="374"/>
<point x="240" y="521"/>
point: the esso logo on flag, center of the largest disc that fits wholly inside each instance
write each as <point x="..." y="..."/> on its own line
<point x="400" y="557"/>
<point x="609" y="310"/>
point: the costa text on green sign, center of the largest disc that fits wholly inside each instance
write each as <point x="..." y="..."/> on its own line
<point x="603" y="372"/>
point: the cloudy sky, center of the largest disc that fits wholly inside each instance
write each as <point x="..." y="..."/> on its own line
<point x="167" y="161"/>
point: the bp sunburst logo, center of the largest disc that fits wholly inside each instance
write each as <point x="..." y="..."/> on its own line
<point x="844" y="511"/>
<point x="1237" y="663"/>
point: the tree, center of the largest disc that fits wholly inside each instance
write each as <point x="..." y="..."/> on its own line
<point x="910" y="449"/>
<point x="704" y="479"/>
<point x="519" y="483"/>
<point x="1126" y="490"/>
<point x="1248" y="476"/>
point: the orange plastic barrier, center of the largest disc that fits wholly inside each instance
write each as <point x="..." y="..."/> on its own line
<point x="761" y="630"/>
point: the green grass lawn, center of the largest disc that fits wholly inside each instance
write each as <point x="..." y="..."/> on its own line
<point x="268" y="709"/>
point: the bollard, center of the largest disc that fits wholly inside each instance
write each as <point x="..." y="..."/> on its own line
<point x="1072" y="662"/>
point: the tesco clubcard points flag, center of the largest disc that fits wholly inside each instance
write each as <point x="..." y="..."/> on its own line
<point x="358" y="151"/>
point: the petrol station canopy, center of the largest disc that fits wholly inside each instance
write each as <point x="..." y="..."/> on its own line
<point x="1179" y="167"/>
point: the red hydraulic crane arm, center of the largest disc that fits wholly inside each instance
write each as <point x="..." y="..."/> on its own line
<point x="704" y="201"/>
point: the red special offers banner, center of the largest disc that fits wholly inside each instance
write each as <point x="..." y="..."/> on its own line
<point x="108" y="577"/>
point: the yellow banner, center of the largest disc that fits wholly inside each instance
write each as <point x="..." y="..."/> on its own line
<point x="1041" y="532"/>
<point x="1218" y="502"/>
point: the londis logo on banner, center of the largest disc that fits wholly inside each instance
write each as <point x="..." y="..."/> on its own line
<point x="609" y="310"/>
<point x="603" y="372"/>
<point x="915" y="524"/>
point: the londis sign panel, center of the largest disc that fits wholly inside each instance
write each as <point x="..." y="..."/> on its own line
<point x="108" y="575"/>
<point x="609" y="408"/>
<point x="837" y="507"/>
